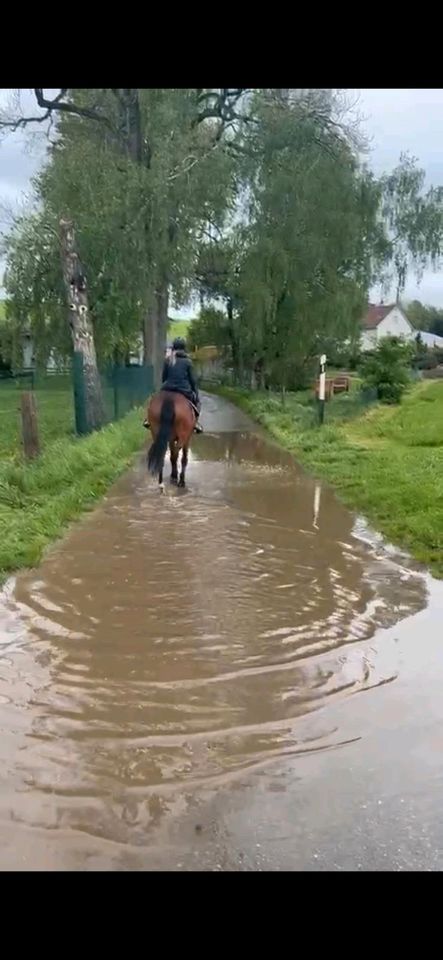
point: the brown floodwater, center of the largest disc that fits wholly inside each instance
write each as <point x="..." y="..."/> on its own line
<point x="172" y="646"/>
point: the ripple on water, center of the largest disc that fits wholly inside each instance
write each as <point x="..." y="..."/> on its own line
<point x="183" y="640"/>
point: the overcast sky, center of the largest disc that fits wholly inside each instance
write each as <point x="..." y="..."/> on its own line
<point x="396" y="121"/>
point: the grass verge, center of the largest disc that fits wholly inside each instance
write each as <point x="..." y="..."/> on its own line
<point x="37" y="501"/>
<point x="387" y="462"/>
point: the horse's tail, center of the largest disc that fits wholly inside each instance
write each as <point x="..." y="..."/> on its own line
<point x="157" y="450"/>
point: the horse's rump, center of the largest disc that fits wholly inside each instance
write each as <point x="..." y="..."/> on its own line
<point x="184" y="415"/>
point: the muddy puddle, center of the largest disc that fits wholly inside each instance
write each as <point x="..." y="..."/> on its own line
<point x="176" y="644"/>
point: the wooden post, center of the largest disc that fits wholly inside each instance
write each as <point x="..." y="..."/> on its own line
<point x="321" y="387"/>
<point x="31" y="444"/>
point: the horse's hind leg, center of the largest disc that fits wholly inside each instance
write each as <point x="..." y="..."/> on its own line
<point x="184" y="464"/>
<point x="173" y="447"/>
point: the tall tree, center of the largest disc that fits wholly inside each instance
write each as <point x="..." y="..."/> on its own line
<point x="311" y="234"/>
<point x="167" y="137"/>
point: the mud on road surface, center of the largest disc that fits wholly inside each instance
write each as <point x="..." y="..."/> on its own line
<point x="234" y="677"/>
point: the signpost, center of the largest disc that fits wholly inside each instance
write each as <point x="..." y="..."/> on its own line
<point x="321" y="387"/>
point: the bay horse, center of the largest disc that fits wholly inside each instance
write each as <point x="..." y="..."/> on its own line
<point x="172" y="420"/>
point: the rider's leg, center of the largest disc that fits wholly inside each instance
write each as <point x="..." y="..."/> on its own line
<point x="198" y="427"/>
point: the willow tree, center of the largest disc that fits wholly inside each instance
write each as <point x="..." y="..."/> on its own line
<point x="413" y="220"/>
<point x="309" y="233"/>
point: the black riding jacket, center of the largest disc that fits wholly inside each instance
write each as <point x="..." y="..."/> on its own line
<point x="179" y="376"/>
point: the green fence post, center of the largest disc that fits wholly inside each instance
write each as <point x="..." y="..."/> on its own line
<point x="81" y="423"/>
<point x="115" y="381"/>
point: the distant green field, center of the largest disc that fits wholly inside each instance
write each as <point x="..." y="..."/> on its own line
<point x="178" y="328"/>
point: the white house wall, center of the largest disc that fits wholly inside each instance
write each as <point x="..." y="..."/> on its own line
<point x="395" y="324"/>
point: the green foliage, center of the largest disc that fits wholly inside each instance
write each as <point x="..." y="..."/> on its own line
<point x="138" y="225"/>
<point x="315" y="231"/>
<point x="306" y="269"/>
<point x="387" y="369"/>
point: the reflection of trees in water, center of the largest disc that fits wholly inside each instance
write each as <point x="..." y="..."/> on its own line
<point x="240" y="447"/>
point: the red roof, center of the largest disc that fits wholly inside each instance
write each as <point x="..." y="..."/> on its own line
<point x="375" y="314"/>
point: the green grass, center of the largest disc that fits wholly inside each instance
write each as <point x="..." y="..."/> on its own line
<point x="387" y="462"/>
<point x="37" y="501"/>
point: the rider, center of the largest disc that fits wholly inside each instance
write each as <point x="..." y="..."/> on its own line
<point x="178" y="377"/>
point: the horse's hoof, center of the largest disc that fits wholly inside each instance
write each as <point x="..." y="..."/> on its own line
<point x="181" y="484"/>
<point x="161" y="487"/>
<point x="174" y="480"/>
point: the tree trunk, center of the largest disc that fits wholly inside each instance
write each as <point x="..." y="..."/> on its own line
<point x="81" y="326"/>
<point x="130" y="123"/>
<point x="155" y="330"/>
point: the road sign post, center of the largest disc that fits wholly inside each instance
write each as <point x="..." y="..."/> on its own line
<point x="322" y="388"/>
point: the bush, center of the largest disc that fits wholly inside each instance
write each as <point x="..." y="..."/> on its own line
<point x="390" y="392"/>
<point x="387" y="369"/>
<point x="427" y="362"/>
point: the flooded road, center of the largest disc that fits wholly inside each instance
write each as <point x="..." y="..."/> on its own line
<point x="234" y="677"/>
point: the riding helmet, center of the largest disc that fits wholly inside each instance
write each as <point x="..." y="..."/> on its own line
<point x="179" y="344"/>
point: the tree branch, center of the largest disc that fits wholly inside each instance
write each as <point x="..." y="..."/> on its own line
<point x="59" y="105"/>
<point x="223" y="108"/>
<point x="65" y="106"/>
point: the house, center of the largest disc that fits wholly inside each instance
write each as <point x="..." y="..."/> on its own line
<point x="385" y="320"/>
